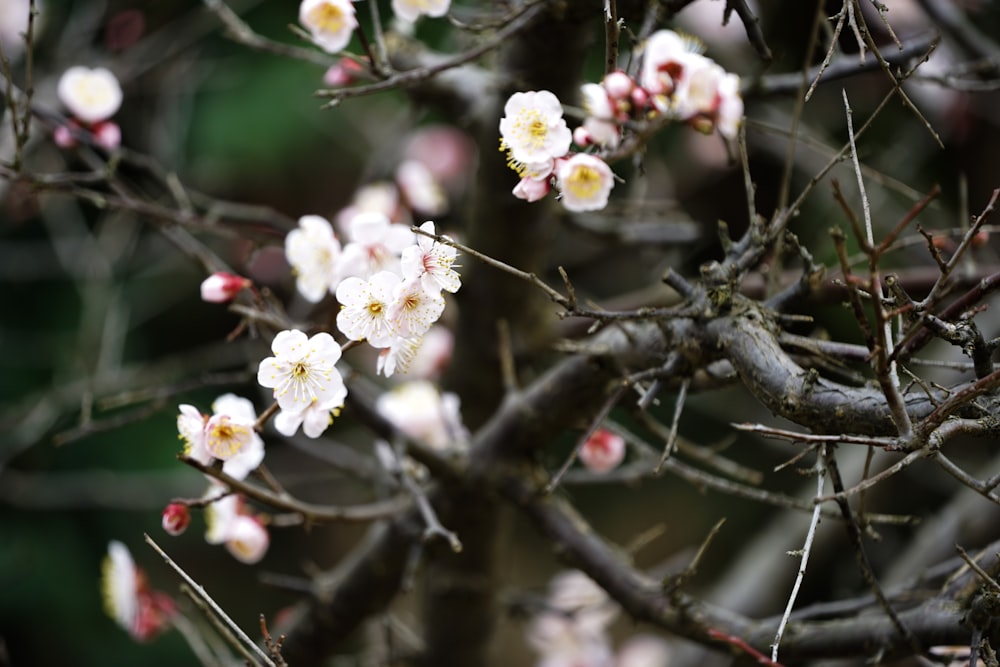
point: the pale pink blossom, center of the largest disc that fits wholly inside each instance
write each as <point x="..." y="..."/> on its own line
<point x="330" y="22"/>
<point x="376" y="244"/>
<point x="584" y="182"/>
<point x="313" y="252"/>
<point x="411" y="10"/>
<point x="618" y="85"/>
<point x="664" y="58"/>
<point x="91" y="95"/>
<point x="431" y="262"/>
<point x="420" y="189"/>
<point x="221" y="287"/>
<point x="446" y="151"/>
<point x="643" y="651"/>
<point x="532" y="189"/>
<point x="533" y="128"/>
<point x="302" y="370"/>
<point x="432" y="355"/>
<point x="229" y="522"/>
<point x="365" y="308"/>
<point x="603" y="451"/>
<point x="380" y="197"/>
<point x="107" y="135"/>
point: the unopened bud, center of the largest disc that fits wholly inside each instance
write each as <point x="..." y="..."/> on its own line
<point x="221" y="287"/>
<point x="176" y="518"/>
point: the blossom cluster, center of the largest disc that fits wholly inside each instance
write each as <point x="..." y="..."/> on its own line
<point x="675" y="81"/>
<point x="572" y="630"/>
<point x="388" y="281"/>
<point x="228" y="435"/>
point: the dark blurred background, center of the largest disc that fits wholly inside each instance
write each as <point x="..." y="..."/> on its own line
<point x="104" y="333"/>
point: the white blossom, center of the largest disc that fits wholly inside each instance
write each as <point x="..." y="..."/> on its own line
<point x="91" y="95"/>
<point x="302" y="370"/>
<point x="314" y="252"/>
<point x="330" y="22"/>
<point x="533" y="128"/>
<point x="365" y="308"/>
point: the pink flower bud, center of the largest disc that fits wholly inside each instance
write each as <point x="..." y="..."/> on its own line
<point x="603" y="451"/>
<point x="640" y="98"/>
<point x="221" y="287"/>
<point x="581" y="137"/>
<point x="619" y="85"/>
<point x="530" y="189"/>
<point x="107" y="135"/>
<point x="344" y="73"/>
<point x="63" y="136"/>
<point x="176" y="518"/>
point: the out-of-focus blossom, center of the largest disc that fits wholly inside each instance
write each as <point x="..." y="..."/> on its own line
<point x="411" y="10"/>
<point x="90" y="95"/>
<point x="573" y="629"/>
<point x="420" y="189"/>
<point x="314" y="252"/>
<point x="431" y="262"/>
<point x="222" y="287"/>
<point x="128" y="598"/>
<point x="343" y="73"/>
<point x="643" y="651"/>
<point x="380" y="198"/>
<point x="432" y="355"/>
<point x="532" y="189"/>
<point x="420" y="411"/>
<point x="365" y="308"/>
<point x="446" y="151"/>
<point x="375" y="245"/>
<point x="665" y="56"/>
<point x="176" y="518"/>
<point x="603" y="451"/>
<point x="14" y="24"/>
<point x="229" y="523"/>
<point x="302" y="370"/>
<point x="533" y="128"/>
<point x="585" y="182"/>
<point x="330" y="22"/>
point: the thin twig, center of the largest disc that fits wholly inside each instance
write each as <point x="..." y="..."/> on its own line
<point x="820" y="473"/>
<point x="197" y="588"/>
<point x="309" y="511"/>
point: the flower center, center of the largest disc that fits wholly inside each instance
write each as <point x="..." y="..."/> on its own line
<point x="375" y="308"/>
<point x="327" y="18"/>
<point x="584" y="182"/>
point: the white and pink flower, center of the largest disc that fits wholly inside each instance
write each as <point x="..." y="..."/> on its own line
<point x="584" y="182"/>
<point x="330" y="22"/>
